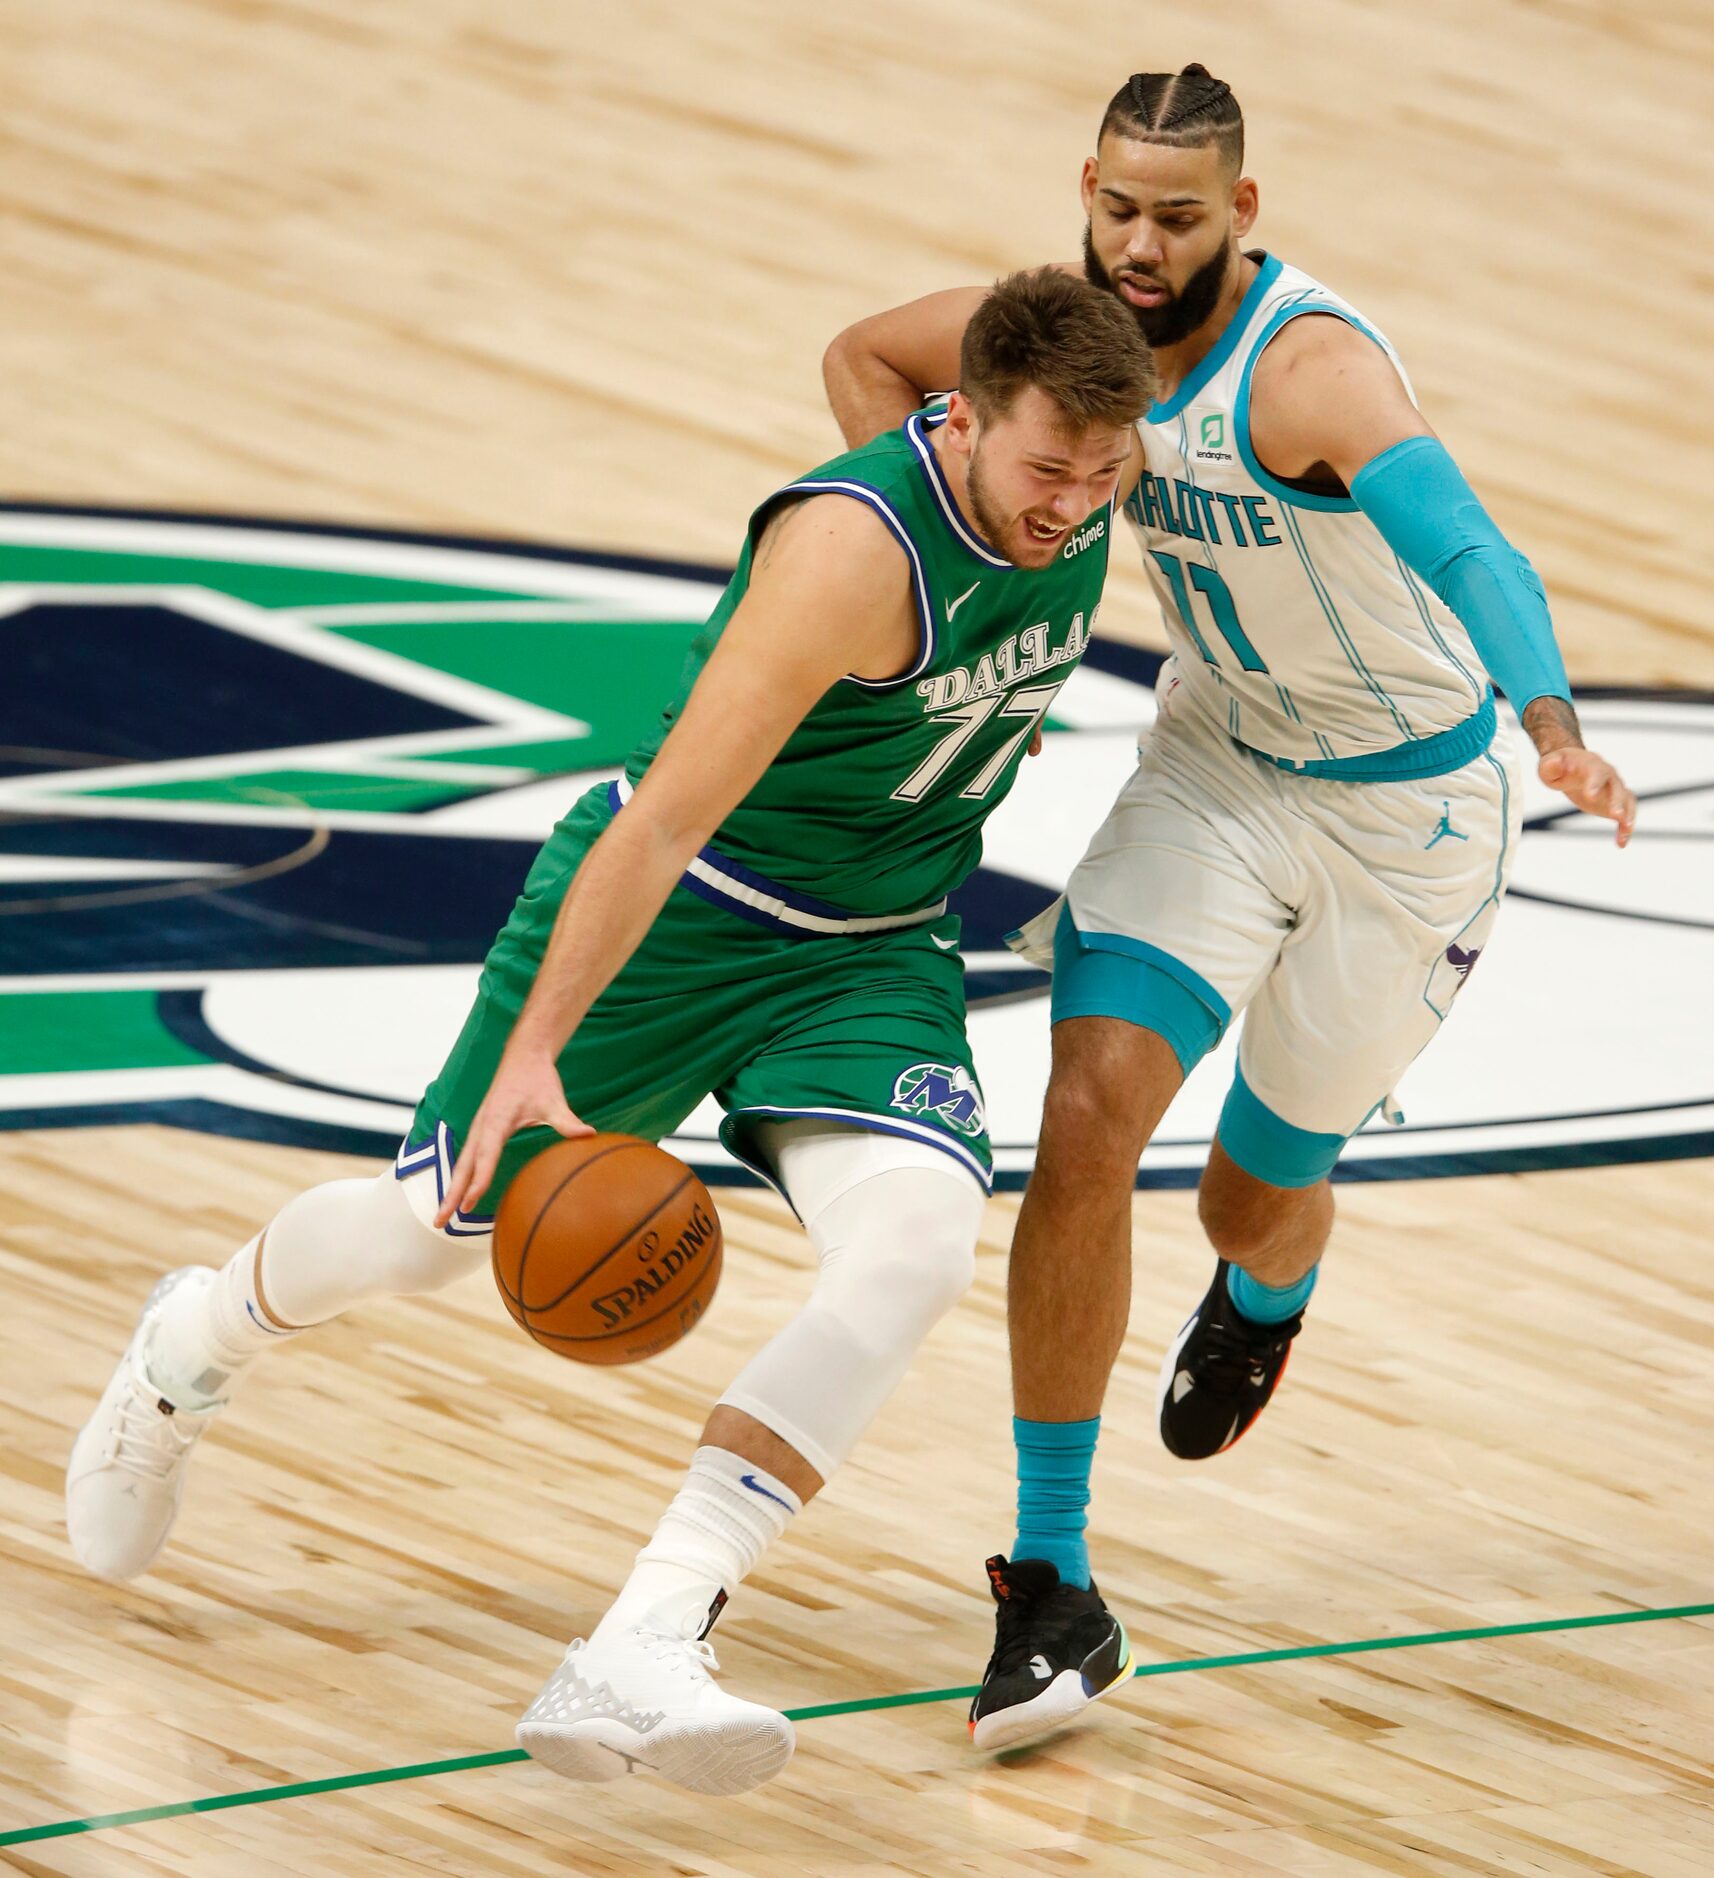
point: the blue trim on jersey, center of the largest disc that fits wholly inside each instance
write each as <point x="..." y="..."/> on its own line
<point x="1224" y="346"/>
<point x="915" y="427"/>
<point x="1432" y="519"/>
<point x="1098" y="983"/>
<point x="1414" y="587"/>
<point x="861" y="492"/>
<point x="1284" y="492"/>
<point x="1192" y="980"/>
<point x="1354" y="658"/>
<point x="1438" y="755"/>
<point x="1270" y="1148"/>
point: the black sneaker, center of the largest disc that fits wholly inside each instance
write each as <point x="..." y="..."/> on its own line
<point x="1219" y="1373"/>
<point x="1056" y="1648"/>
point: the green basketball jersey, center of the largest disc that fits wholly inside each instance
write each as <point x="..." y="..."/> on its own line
<point x="875" y="806"/>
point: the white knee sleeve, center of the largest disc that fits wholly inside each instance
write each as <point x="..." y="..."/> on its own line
<point x="336" y="1245"/>
<point x="895" y="1224"/>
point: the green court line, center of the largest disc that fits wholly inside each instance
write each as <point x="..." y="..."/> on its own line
<point x="465" y="1763"/>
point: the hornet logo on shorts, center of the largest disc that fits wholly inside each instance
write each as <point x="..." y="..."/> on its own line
<point x="938" y="1089"/>
<point x="268" y="790"/>
<point x="1462" y="962"/>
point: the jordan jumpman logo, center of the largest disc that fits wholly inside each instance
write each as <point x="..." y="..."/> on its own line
<point x="1445" y="832"/>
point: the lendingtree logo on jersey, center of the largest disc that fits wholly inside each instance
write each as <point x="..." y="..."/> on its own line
<point x="945" y="1091"/>
<point x="1212" y="446"/>
<point x="267" y="792"/>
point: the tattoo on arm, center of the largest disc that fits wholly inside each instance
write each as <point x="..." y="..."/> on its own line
<point x="1552" y="725"/>
<point x="772" y="529"/>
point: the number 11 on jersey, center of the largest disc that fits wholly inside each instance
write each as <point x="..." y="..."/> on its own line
<point x="1219" y="597"/>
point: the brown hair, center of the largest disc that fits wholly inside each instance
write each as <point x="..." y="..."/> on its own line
<point x="1075" y="343"/>
<point x="1185" y="109"/>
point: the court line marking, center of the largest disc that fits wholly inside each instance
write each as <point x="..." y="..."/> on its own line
<point x="465" y="1763"/>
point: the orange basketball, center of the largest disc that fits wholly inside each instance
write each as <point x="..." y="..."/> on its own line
<point x="607" y="1249"/>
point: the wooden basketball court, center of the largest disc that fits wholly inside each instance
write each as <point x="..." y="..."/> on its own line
<point x="566" y="275"/>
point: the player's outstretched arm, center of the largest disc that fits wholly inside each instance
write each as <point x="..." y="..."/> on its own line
<point x="829" y="594"/>
<point x="882" y="369"/>
<point x="1327" y="403"/>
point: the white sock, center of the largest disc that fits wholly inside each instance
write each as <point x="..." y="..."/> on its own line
<point x="207" y="1334"/>
<point x="727" y="1513"/>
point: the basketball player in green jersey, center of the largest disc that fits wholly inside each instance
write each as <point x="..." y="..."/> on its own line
<point x="757" y="909"/>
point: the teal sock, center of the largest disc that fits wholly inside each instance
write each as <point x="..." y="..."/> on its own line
<point x="1268" y="1304"/>
<point x="1054" y="1459"/>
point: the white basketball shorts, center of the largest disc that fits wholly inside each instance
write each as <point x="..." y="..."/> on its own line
<point x="1338" y="918"/>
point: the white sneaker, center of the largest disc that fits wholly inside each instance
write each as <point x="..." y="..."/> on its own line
<point x="125" y="1478"/>
<point x="642" y="1699"/>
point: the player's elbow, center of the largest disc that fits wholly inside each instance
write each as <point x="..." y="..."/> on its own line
<point x="836" y="360"/>
<point x="848" y="367"/>
<point x="1486" y="580"/>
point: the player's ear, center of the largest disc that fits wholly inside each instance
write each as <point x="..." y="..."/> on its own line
<point x="1091" y="176"/>
<point x="961" y="424"/>
<point x="1246" y="205"/>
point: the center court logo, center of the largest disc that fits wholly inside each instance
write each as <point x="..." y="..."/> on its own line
<point x="296" y="777"/>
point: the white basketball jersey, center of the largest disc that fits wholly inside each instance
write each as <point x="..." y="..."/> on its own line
<point x="1296" y="626"/>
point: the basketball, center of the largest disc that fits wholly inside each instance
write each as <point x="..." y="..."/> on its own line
<point x="607" y="1249"/>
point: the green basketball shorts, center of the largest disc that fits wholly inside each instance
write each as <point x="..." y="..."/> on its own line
<point x="724" y="997"/>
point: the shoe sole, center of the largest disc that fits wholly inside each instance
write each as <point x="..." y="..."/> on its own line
<point x="719" y="1758"/>
<point x="1065" y="1698"/>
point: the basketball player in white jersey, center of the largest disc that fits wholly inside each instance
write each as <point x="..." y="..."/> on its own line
<point x="1317" y="837"/>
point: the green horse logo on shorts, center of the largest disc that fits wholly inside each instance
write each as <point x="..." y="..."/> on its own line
<point x="946" y="1091"/>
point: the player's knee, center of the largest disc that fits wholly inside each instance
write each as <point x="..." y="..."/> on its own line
<point x="405" y="1249"/>
<point x="1245" y="1219"/>
<point x="1087" y="1130"/>
<point x="1235" y="1224"/>
<point x="934" y="1272"/>
<point x="907" y="1253"/>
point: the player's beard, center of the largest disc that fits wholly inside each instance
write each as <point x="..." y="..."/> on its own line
<point x="990" y="525"/>
<point x="1180" y="316"/>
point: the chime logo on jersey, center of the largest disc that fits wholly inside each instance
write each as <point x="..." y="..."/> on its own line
<point x="267" y="792"/>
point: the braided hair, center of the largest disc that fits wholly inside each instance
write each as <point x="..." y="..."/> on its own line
<point x="1181" y="108"/>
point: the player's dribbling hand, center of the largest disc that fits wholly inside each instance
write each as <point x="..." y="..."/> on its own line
<point x="1592" y="783"/>
<point x="526" y="1093"/>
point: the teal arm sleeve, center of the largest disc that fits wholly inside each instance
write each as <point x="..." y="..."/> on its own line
<point x="1431" y="519"/>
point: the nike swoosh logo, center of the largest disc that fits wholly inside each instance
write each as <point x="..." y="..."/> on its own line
<point x="952" y="606"/>
<point x="755" y="1486"/>
<point x="946" y="945"/>
<point x="1042" y="1667"/>
<point x="1182" y="1384"/>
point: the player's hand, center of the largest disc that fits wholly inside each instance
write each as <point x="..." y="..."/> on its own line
<point x="1035" y="742"/>
<point x="1592" y="783"/>
<point x="526" y="1093"/>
